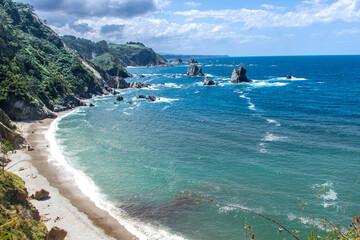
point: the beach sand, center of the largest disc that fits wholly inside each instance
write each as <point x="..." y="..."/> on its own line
<point x="67" y="207"/>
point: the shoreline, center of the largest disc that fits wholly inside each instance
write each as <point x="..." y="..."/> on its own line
<point x="67" y="207"/>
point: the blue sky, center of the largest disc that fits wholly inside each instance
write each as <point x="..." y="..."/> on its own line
<point x="235" y="28"/>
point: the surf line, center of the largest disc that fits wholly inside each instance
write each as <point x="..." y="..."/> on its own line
<point x="243" y="209"/>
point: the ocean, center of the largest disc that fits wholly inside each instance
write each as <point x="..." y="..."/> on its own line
<point x="268" y="146"/>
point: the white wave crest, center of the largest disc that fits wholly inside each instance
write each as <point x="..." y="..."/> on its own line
<point x="272" y="138"/>
<point x="273" y="122"/>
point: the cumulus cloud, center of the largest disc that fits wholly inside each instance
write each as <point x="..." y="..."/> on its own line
<point x="306" y="14"/>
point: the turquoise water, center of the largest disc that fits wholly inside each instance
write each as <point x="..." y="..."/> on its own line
<point x="260" y="146"/>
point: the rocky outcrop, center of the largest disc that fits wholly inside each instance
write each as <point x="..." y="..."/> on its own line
<point x="191" y="61"/>
<point x="19" y="110"/>
<point x="177" y="61"/>
<point x="56" y="234"/>
<point x="239" y="75"/>
<point x="194" y="71"/>
<point x="208" y="82"/>
<point x="139" y="85"/>
<point x="119" y="98"/>
<point x="140" y="96"/>
<point x="288" y="77"/>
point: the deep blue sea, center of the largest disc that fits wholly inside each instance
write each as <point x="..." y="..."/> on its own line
<point x="260" y="146"/>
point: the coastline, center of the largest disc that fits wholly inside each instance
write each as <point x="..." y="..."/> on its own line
<point x="67" y="207"/>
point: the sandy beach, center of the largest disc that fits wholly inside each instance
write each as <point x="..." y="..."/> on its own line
<point x="67" y="207"/>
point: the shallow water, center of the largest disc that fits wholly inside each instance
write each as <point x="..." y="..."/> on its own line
<point x="259" y="146"/>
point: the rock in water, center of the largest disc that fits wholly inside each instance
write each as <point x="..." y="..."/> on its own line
<point x="56" y="234"/>
<point x="119" y="98"/>
<point x="194" y="71"/>
<point x="208" y="82"/>
<point x="239" y="75"/>
<point x="288" y="77"/>
<point x="139" y="85"/>
<point x="151" y="98"/>
<point x="177" y="61"/>
<point x="190" y="61"/>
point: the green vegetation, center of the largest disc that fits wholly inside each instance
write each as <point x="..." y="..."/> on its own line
<point x="129" y="54"/>
<point x="110" y="64"/>
<point x="35" y="67"/>
<point x="17" y="215"/>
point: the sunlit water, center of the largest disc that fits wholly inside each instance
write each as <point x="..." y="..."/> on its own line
<point x="259" y="146"/>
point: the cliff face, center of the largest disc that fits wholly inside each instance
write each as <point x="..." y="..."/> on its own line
<point x="37" y="72"/>
<point x="130" y="54"/>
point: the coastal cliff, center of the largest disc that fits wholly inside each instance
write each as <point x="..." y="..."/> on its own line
<point x="129" y="54"/>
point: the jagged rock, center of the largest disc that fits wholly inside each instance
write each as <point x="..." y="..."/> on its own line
<point x="172" y="76"/>
<point x="141" y="76"/>
<point x="42" y="194"/>
<point x="239" y="75"/>
<point x="151" y="98"/>
<point x="140" y="96"/>
<point x="190" y="61"/>
<point x="56" y="234"/>
<point x="194" y="71"/>
<point x="177" y="61"/>
<point x="59" y="108"/>
<point x="119" y="98"/>
<point x="139" y="85"/>
<point x="91" y="105"/>
<point x="130" y="102"/>
<point x="34" y="212"/>
<point x="208" y="82"/>
<point x="288" y="77"/>
<point x="21" y="196"/>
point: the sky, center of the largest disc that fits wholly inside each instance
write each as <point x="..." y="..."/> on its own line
<point x="213" y="27"/>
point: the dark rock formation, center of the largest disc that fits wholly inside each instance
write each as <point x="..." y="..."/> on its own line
<point x="208" y="82"/>
<point x="119" y="98"/>
<point x="91" y="105"/>
<point x="191" y="61"/>
<point x="142" y="76"/>
<point x="177" y="61"/>
<point x="194" y="71"/>
<point x="288" y="77"/>
<point x="151" y="98"/>
<point x="234" y="63"/>
<point x="20" y="110"/>
<point x="139" y="85"/>
<point x="140" y="96"/>
<point x="172" y="76"/>
<point x="130" y="102"/>
<point x="239" y="75"/>
<point x="56" y="234"/>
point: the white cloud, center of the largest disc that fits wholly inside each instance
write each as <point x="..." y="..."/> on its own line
<point x="193" y="4"/>
<point x="347" y="31"/>
<point x="317" y="12"/>
<point x="272" y="7"/>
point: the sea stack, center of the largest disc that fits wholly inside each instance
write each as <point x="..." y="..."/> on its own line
<point x="194" y="71"/>
<point x="208" y="82"/>
<point x="239" y="75"/>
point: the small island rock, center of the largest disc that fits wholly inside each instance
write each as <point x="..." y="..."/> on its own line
<point x="119" y="98"/>
<point x="190" y="61"/>
<point x="177" y="61"/>
<point x="194" y="71"/>
<point x="151" y="98"/>
<point x="239" y="75"/>
<point x="208" y="82"/>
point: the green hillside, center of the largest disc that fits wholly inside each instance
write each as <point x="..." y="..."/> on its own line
<point x="37" y="72"/>
<point x="130" y="54"/>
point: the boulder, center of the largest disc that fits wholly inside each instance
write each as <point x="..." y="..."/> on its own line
<point x="140" y="96"/>
<point x="194" y="71"/>
<point x="56" y="234"/>
<point x="151" y="98"/>
<point x="208" y="82"/>
<point x="177" y="61"/>
<point x="91" y="105"/>
<point x="139" y="85"/>
<point x="234" y="63"/>
<point x="191" y="61"/>
<point x="42" y="194"/>
<point x="119" y="98"/>
<point x="130" y="102"/>
<point x="239" y="75"/>
<point x="141" y="76"/>
<point x="288" y="77"/>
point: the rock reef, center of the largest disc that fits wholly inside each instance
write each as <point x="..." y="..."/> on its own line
<point x="194" y="71"/>
<point x="239" y="75"/>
